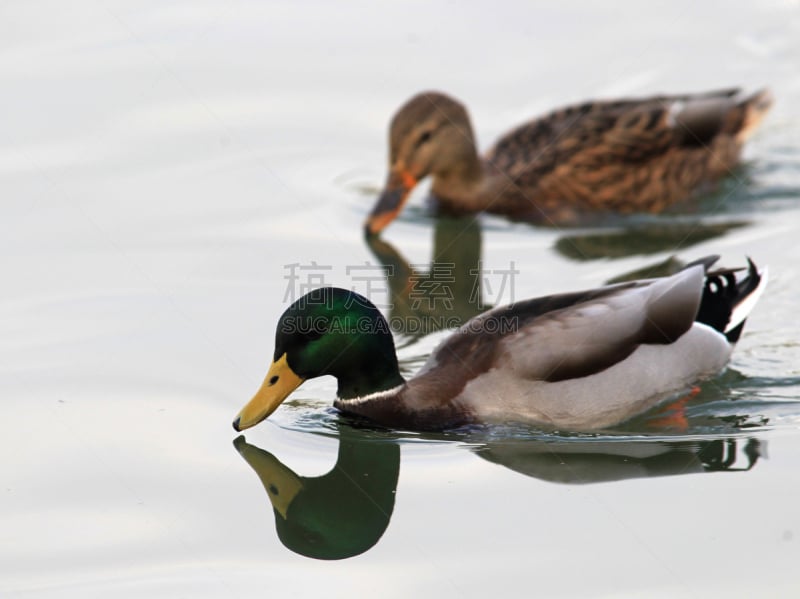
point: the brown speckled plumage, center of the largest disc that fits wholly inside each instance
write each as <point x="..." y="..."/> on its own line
<point x="605" y="156"/>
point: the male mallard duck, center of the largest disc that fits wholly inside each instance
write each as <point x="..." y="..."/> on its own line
<point x="619" y="156"/>
<point x="576" y="361"/>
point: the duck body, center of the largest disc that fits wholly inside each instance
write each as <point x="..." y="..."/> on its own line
<point x="615" y="156"/>
<point x="576" y="361"/>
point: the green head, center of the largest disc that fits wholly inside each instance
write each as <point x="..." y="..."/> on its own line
<point x="327" y="331"/>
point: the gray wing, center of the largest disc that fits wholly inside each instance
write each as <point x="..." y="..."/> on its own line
<point x="558" y="337"/>
<point x="590" y="336"/>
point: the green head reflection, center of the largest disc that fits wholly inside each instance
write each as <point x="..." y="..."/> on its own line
<point x="340" y="514"/>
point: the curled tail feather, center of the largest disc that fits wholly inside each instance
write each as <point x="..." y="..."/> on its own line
<point x="755" y="109"/>
<point x="727" y="302"/>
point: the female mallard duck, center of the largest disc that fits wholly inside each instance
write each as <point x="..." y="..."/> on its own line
<point x="577" y="361"/>
<point x="614" y="156"/>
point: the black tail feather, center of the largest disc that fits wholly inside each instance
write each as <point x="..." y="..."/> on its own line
<point x="722" y="293"/>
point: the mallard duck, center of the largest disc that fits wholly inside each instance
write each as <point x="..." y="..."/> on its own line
<point x="626" y="155"/>
<point x="576" y="361"/>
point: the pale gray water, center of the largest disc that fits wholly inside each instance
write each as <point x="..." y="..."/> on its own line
<point x="161" y="164"/>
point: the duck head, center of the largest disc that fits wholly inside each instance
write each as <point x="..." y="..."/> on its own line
<point x="327" y="331"/>
<point x="429" y="135"/>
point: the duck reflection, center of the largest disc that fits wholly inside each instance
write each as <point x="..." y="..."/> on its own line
<point x="307" y="518"/>
<point x="664" y="268"/>
<point x="581" y="461"/>
<point x="346" y="511"/>
<point x="648" y="238"/>
<point x="448" y="292"/>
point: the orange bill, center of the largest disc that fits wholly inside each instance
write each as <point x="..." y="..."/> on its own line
<point x="391" y="201"/>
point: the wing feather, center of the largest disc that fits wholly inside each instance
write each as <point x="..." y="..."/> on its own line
<point x="591" y="336"/>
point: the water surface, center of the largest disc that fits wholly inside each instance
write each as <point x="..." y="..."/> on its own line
<point x="164" y="165"/>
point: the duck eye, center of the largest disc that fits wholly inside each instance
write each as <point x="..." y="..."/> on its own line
<point x="424" y="137"/>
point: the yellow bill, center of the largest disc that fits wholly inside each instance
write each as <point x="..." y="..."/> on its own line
<point x="278" y="384"/>
<point x="281" y="483"/>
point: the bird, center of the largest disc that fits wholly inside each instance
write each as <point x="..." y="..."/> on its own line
<point x="578" y="361"/>
<point x="573" y="164"/>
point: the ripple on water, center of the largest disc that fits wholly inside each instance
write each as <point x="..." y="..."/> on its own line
<point x="729" y="405"/>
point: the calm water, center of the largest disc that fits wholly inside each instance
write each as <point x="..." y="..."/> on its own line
<point x="163" y="166"/>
